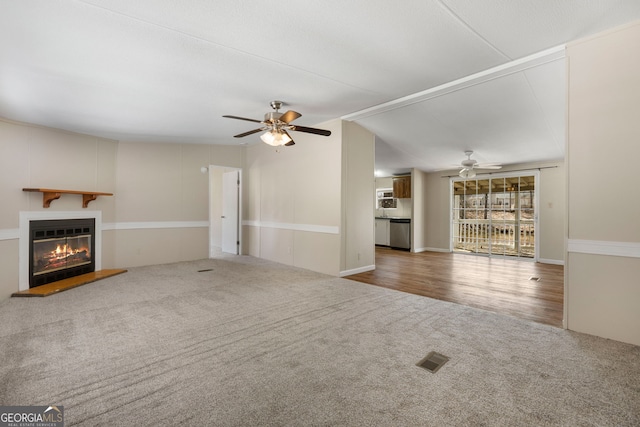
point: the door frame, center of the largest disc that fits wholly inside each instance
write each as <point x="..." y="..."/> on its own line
<point x="536" y="174"/>
<point x="215" y="196"/>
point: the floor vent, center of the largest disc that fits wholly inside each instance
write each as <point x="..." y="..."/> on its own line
<point x="208" y="269"/>
<point x="537" y="279"/>
<point x="433" y="362"/>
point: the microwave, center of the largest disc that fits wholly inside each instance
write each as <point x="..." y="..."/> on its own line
<point x="385" y="194"/>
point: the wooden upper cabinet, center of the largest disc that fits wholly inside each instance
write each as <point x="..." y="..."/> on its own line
<point x="402" y="187"/>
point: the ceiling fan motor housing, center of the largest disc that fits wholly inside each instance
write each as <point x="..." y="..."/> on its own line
<point x="272" y="116"/>
<point x="276" y="105"/>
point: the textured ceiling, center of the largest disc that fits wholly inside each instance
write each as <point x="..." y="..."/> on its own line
<point x="166" y="71"/>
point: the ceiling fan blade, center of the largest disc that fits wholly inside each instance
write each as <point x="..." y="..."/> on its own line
<point x="290" y="116"/>
<point x="311" y="130"/>
<point x="290" y="143"/>
<point x="251" y="132"/>
<point x="243" y="118"/>
<point x="488" y="166"/>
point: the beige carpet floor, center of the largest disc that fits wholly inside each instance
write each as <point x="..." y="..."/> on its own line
<point x="255" y="343"/>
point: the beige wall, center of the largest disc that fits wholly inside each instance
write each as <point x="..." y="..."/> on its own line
<point x="163" y="200"/>
<point x="37" y="157"/>
<point x="358" y="192"/>
<point x="432" y="199"/>
<point x="552" y="211"/>
<point x="419" y="205"/>
<point x="9" y="268"/>
<point x="603" y="262"/>
<point x="32" y="156"/>
<point x="292" y="201"/>
<point x="311" y="205"/>
<point x="434" y="205"/>
<point x="159" y="211"/>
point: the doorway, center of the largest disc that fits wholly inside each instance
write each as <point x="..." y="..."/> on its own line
<point x="225" y="207"/>
<point x="230" y="209"/>
<point x="495" y="215"/>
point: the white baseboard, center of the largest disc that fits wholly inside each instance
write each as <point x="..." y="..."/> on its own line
<point x="416" y="250"/>
<point x="551" y="261"/>
<point x="357" y="270"/>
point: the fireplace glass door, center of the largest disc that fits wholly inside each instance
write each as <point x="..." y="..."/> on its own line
<point x="60" y="249"/>
<point x="60" y="253"/>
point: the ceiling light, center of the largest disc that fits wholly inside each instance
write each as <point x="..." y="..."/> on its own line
<point x="275" y="138"/>
<point x="467" y="173"/>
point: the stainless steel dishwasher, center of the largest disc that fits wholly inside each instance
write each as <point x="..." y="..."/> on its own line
<point x="400" y="233"/>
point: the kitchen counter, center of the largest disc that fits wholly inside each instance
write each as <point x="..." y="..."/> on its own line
<point x="393" y="231"/>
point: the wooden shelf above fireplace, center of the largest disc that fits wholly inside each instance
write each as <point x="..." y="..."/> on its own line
<point x="49" y="195"/>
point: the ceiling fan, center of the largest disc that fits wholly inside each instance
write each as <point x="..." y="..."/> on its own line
<point x="276" y="125"/>
<point x="469" y="166"/>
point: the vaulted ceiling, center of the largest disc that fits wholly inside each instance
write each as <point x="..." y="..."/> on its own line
<point x="430" y="78"/>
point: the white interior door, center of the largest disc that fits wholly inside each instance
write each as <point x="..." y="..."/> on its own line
<point x="230" y="212"/>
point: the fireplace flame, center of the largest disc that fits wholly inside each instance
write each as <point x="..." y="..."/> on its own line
<point x="66" y="250"/>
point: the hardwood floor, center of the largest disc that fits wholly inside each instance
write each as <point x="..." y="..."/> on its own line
<point x="494" y="284"/>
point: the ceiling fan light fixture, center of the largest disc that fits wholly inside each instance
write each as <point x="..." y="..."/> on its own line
<point x="276" y="125"/>
<point x="275" y="138"/>
<point x="467" y="173"/>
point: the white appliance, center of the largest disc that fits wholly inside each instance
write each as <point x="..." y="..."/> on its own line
<point x="385" y="194"/>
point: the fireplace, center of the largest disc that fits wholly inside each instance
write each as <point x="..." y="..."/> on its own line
<point x="60" y="248"/>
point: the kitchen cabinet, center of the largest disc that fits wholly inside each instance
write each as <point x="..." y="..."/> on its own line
<point x="402" y="187"/>
<point x="382" y="232"/>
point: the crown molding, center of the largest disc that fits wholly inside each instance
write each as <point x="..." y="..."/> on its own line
<point x="522" y="64"/>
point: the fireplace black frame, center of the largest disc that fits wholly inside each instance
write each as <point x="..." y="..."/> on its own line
<point x="60" y="228"/>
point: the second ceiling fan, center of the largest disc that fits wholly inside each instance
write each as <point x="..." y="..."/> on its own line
<point x="276" y="126"/>
<point x="469" y="166"/>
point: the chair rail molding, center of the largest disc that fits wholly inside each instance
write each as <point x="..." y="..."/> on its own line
<point x="601" y="247"/>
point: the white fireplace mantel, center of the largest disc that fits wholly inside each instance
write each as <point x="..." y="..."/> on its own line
<point x="23" y="245"/>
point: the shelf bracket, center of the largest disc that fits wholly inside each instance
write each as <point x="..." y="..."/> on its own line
<point x="49" y="196"/>
<point x="86" y="198"/>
